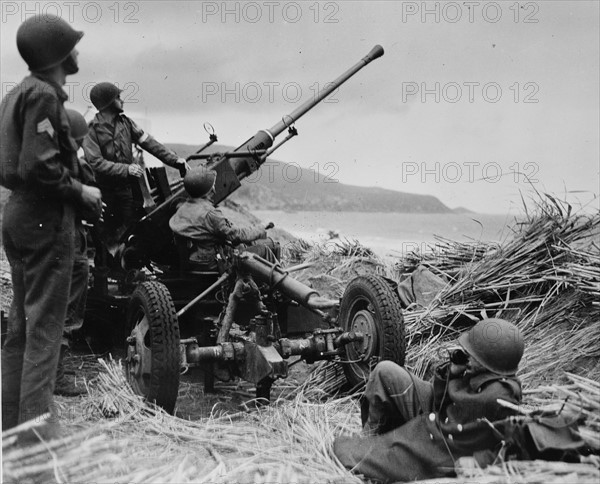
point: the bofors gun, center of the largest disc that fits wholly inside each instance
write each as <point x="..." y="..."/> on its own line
<point x="151" y="236"/>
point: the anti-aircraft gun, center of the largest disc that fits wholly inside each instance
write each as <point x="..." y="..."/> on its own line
<point x="246" y="319"/>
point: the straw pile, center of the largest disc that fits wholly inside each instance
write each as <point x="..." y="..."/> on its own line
<point x="545" y="278"/>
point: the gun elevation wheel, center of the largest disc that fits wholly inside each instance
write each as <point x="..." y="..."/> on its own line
<point x="371" y="306"/>
<point x="152" y="362"/>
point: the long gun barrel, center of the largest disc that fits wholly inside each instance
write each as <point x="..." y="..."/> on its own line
<point x="247" y="158"/>
<point x="300" y="111"/>
<point x="152" y="236"/>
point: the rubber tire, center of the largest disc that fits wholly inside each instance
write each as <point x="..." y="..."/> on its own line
<point x="376" y="295"/>
<point x="154" y="300"/>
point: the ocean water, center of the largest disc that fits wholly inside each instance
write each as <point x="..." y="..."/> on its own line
<point x="393" y="234"/>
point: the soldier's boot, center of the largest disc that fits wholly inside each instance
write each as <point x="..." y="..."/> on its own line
<point x="65" y="384"/>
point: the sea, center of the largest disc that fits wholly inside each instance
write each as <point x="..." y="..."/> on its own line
<point x="392" y="234"/>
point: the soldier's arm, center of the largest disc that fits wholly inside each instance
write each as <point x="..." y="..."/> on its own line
<point x="152" y="146"/>
<point x="440" y="383"/>
<point x="86" y="173"/>
<point x="471" y="404"/>
<point x="93" y="155"/>
<point x="236" y="235"/>
<point x="39" y="161"/>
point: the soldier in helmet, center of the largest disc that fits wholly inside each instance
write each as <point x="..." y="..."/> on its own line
<point x="65" y="384"/>
<point x="108" y="149"/>
<point x="38" y="163"/>
<point x="199" y="221"/>
<point x="414" y="429"/>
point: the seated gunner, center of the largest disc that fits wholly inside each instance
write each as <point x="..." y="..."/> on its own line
<point x="199" y="220"/>
<point x="415" y="430"/>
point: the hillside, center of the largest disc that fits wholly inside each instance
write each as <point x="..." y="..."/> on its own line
<point x="283" y="186"/>
<point x="287" y="187"/>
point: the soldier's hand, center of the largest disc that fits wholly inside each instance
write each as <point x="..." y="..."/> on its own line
<point x="182" y="165"/>
<point x="92" y="201"/>
<point x="135" y="170"/>
<point x="457" y="370"/>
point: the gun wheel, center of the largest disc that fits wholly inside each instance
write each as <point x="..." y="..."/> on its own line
<point x="371" y="306"/>
<point x="152" y="362"/>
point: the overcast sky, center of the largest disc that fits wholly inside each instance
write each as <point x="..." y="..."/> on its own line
<point x="468" y="99"/>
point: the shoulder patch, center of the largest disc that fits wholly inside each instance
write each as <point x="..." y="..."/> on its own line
<point x="45" y="126"/>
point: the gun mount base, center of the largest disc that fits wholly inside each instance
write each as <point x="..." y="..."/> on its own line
<point x="262" y="364"/>
<point x="322" y="345"/>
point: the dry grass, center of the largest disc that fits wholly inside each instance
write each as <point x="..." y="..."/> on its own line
<point x="545" y="278"/>
<point x="118" y="438"/>
<point x="525" y="472"/>
<point x="121" y="439"/>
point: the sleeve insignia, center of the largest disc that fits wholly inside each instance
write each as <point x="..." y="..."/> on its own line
<point x="45" y="126"/>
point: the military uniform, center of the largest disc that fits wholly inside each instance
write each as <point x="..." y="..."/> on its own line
<point x="197" y="219"/>
<point x="421" y="428"/>
<point x="38" y="163"/>
<point x="108" y="149"/>
<point x="81" y="271"/>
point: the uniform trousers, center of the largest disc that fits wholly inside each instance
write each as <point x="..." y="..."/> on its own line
<point x="392" y="397"/>
<point x="38" y="237"/>
<point x="79" y="286"/>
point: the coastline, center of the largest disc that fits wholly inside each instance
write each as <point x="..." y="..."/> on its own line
<point x="390" y="233"/>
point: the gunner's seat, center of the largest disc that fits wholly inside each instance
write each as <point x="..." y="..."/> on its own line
<point x="185" y="248"/>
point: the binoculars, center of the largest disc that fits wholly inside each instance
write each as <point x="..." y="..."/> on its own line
<point x="459" y="357"/>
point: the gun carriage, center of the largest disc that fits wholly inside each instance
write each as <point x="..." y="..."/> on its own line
<point x="248" y="317"/>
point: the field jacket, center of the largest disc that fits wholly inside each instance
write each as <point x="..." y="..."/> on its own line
<point x="37" y="153"/>
<point x="427" y="446"/>
<point x="108" y="148"/>
<point x="197" y="219"/>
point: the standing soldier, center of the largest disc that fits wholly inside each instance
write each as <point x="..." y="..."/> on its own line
<point x="109" y="150"/>
<point x="65" y="384"/>
<point x="38" y="162"/>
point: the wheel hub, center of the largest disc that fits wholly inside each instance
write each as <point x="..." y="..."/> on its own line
<point x="364" y="322"/>
<point x="139" y="356"/>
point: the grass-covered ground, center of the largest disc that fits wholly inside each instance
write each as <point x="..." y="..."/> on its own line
<point x="545" y="278"/>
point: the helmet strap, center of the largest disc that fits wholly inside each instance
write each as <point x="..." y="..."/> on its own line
<point x="117" y="108"/>
<point x="113" y="109"/>
<point x="55" y="74"/>
<point x="70" y="65"/>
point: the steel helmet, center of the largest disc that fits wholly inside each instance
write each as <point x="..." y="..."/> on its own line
<point x="79" y="128"/>
<point x="104" y="93"/>
<point x="496" y="344"/>
<point x="199" y="181"/>
<point x="45" y="41"/>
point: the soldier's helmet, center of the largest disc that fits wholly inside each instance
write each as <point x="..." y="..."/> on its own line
<point x="496" y="344"/>
<point x="104" y="93"/>
<point x="44" y="41"/>
<point x="199" y="181"/>
<point x="79" y="127"/>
